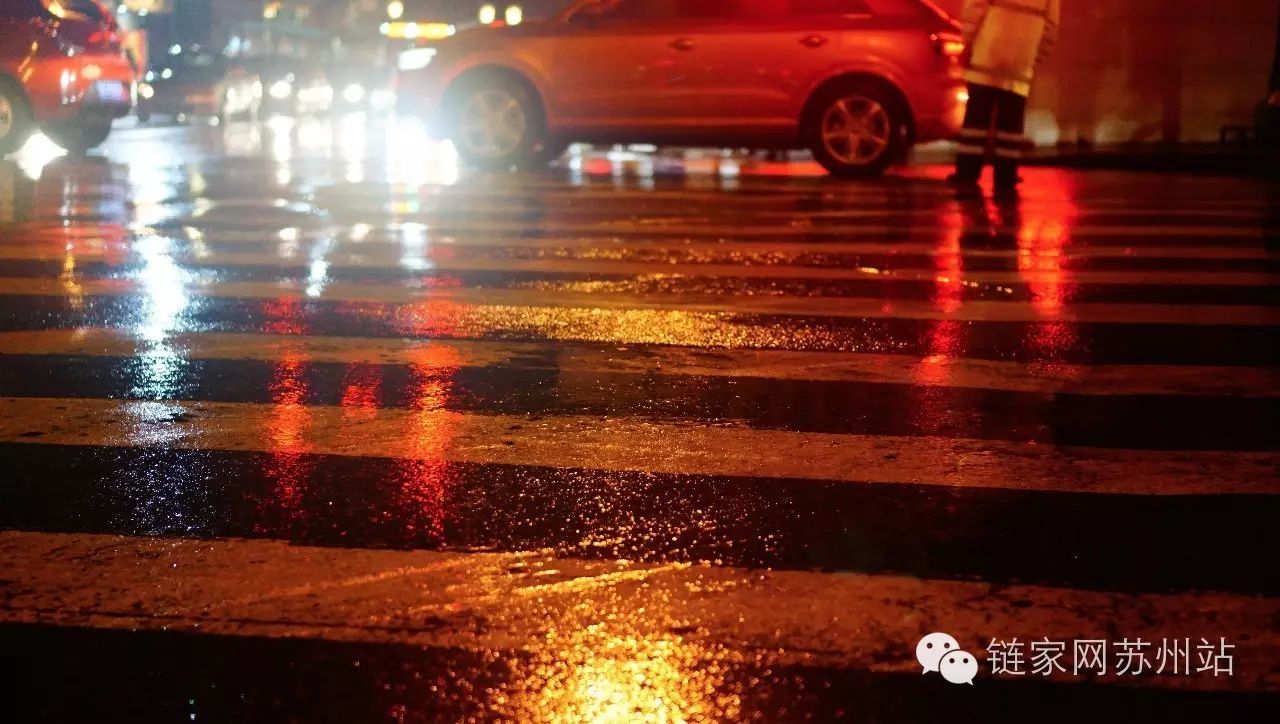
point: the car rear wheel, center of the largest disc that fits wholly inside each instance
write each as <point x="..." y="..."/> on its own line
<point x="856" y="129"/>
<point x="15" y="119"/>
<point x="79" y="135"/>
<point x="498" y="124"/>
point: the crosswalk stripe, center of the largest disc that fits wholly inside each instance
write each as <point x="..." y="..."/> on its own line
<point x="766" y="190"/>
<point x="395" y="234"/>
<point x="1169" y="422"/>
<point x="494" y="205"/>
<point x="762" y="364"/>
<point x="469" y="501"/>
<point x="473" y="216"/>
<point x="679" y="227"/>
<point x="763" y="195"/>
<point x="632" y="445"/>
<point x="779" y="198"/>
<point x="168" y="308"/>
<point x="449" y="211"/>
<point x="379" y="596"/>
<point x="677" y="544"/>
<point x="355" y="258"/>
<point x="754" y="522"/>
<point x="690" y="309"/>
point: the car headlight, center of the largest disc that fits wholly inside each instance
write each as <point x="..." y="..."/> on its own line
<point x="145" y="91"/>
<point x="281" y="89"/>
<point x="416" y="59"/>
<point x="353" y="93"/>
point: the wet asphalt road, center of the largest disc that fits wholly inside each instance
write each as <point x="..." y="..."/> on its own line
<point x="299" y="422"/>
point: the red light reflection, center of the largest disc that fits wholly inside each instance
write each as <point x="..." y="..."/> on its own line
<point x="290" y="421"/>
<point x="430" y="318"/>
<point x="284" y="316"/>
<point x="945" y="341"/>
<point x="361" y="392"/>
<point x="1043" y="235"/>
<point x="423" y="479"/>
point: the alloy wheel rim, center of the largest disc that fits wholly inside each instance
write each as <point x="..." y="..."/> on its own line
<point x="856" y="130"/>
<point x="493" y="123"/>
<point x="6" y="117"/>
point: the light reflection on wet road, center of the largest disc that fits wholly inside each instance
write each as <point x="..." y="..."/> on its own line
<point x="305" y="423"/>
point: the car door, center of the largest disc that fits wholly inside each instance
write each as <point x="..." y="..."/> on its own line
<point x="754" y="71"/>
<point x="626" y="66"/>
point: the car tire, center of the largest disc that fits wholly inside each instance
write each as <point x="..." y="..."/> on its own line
<point x="497" y="124"/>
<point x="16" y="124"/>
<point x="856" y="129"/>
<point x="80" y="135"/>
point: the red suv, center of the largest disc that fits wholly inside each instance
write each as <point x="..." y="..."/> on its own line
<point x="856" y="81"/>
<point x="61" y="71"/>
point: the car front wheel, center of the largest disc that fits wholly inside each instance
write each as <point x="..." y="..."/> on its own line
<point x="15" y="119"/>
<point x="497" y="124"/>
<point x="856" y="129"/>
<point x="79" y="135"/>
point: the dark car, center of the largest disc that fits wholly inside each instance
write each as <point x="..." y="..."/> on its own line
<point x="61" y="71"/>
<point x="199" y="84"/>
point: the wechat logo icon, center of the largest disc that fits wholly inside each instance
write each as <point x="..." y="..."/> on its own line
<point x="941" y="652"/>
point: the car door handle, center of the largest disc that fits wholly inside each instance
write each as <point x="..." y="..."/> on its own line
<point x="682" y="44"/>
<point x="813" y="41"/>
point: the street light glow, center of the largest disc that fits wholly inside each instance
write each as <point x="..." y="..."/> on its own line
<point x="514" y="15"/>
<point x="488" y="14"/>
<point x="395" y="9"/>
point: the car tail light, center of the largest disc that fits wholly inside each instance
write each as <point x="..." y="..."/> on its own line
<point x="948" y="45"/>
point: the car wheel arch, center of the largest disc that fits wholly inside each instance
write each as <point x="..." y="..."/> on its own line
<point x="490" y="71"/>
<point x="15" y="85"/>
<point x="892" y="89"/>
<point x="24" y="121"/>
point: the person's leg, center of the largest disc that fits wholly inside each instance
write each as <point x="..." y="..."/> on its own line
<point x="1011" y="141"/>
<point x="973" y="135"/>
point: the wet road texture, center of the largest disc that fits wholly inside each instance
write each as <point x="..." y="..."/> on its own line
<point x="300" y="422"/>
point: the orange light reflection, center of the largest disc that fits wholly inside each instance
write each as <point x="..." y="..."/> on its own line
<point x="361" y="392"/>
<point x="289" y="466"/>
<point x="423" y="479"/>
